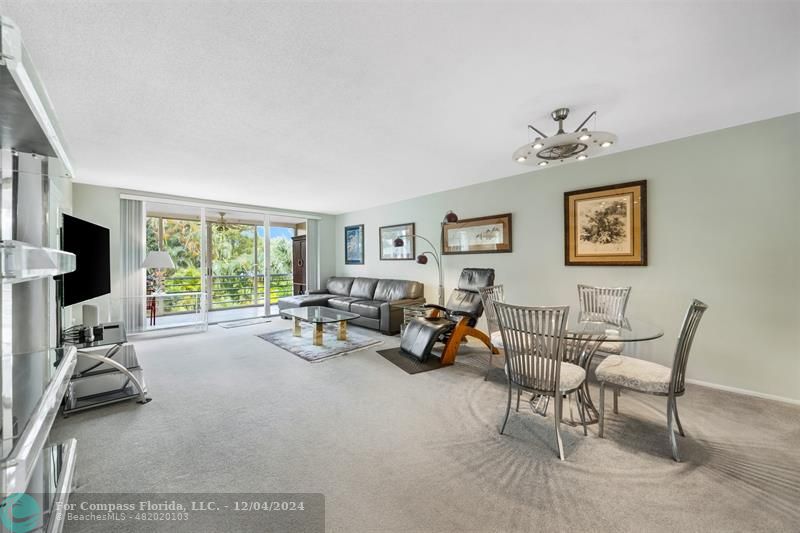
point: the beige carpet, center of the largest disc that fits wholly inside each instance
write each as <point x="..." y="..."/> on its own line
<point x="396" y="452"/>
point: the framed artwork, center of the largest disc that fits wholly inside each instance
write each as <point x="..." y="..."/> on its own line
<point x="354" y="245"/>
<point x="390" y="252"/>
<point x="483" y="235"/>
<point x="606" y="225"/>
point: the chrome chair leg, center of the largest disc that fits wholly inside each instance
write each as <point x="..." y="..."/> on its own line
<point x="677" y="418"/>
<point x="602" y="409"/>
<point x="508" y="410"/>
<point x="616" y="400"/>
<point x="558" y="400"/>
<point x="539" y="403"/>
<point x="671" y="431"/>
<point x="581" y="412"/>
<point x="569" y="406"/>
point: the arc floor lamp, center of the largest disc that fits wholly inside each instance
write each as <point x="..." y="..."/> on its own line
<point x="422" y="258"/>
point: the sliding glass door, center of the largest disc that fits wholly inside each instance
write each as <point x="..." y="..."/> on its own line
<point x="215" y="264"/>
<point x="235" y="248"/>
<point x="174" y="288"/>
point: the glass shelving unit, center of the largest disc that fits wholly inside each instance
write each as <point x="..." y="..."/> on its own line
<point x="24" y="427"/>
<point x="34" y="373"/>
<point x="25" y="433"/>
<point x="20" y="261"/>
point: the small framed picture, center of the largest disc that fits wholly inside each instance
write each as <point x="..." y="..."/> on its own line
<point x="388" y="234"/>
<point x="483" y="235"/>
<point x="606" y="225"/>
<point x="354" y="245"/>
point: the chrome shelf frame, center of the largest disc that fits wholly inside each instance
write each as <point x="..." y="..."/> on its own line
<point x="17" y="467"/>
<point x="20" y="261"/>
<point x="55" y="522"/>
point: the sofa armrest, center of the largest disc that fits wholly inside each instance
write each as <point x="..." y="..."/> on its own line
<point x="406" y="301"/>
<point x="317" y="291"/>
<point x="392" y="314"/>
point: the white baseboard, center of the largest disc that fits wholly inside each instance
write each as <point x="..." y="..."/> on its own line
<point x="743" y="391"/>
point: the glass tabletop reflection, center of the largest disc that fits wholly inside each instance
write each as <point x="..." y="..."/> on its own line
<point x="626" y="329"/>
<point x="319" y="315"/>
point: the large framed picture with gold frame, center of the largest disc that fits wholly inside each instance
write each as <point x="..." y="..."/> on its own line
<point x="606" y="225"/>
<point x="482" y="235"/>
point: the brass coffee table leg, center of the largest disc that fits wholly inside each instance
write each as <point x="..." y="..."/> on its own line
<point x="296" y="327"/>
<point x="318" y="334"/>
<point x="342" y="331"/>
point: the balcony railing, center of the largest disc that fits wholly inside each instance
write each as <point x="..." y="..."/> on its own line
<point x="228" y="292"/>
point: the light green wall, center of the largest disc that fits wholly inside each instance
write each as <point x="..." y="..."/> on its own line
<point x="100" y="205"/>
<point x="723" y="226"/>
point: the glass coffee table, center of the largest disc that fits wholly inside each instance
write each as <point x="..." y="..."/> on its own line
<point x="319" y="316"/>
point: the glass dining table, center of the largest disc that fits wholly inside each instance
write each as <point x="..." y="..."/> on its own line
<point x="584" y="334"/>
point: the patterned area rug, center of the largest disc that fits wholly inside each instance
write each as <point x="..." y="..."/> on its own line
<point x="304" y="348"/>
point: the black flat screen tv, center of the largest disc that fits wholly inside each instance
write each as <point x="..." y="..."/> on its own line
<point x="91" y="245"/>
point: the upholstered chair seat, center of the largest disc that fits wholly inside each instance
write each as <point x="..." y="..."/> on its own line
<point x="570" y="376"/>
<point x="610" y="347"/>
<point x="635" y="374"/>
<point x="620" y="372"/>
<point x="534" y="350"/>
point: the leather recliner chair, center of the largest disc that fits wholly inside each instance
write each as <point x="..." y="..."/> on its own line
<point x="450" y="324"/>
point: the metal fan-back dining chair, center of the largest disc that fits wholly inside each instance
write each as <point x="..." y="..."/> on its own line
<point x="606" y="304"/>
<point x="533" y="340"/>
<point x="629" y="373"/>
<point x="490" y="296"/>
<point x="603" y="302"/>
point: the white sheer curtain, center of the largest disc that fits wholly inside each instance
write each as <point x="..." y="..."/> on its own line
<point x="312" y="254"/>
<point x="132" y="244"/>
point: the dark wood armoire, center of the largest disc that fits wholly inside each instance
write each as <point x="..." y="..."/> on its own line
<point x="299" y="264"/>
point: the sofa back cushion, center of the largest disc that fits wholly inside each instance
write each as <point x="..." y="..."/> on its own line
<point x="389" y="290"/>
<point x="339" y="286"/>
<point x="363" y="288"/>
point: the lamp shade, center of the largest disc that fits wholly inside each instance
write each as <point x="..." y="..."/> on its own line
<point x="158" y="260"/>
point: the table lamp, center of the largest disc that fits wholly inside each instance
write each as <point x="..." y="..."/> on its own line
<point x="158" y="261"/>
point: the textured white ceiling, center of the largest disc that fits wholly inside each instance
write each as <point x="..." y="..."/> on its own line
<point x="333" y="107"/>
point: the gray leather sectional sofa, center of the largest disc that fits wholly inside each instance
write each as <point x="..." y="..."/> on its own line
<point x="378" y="301"/>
